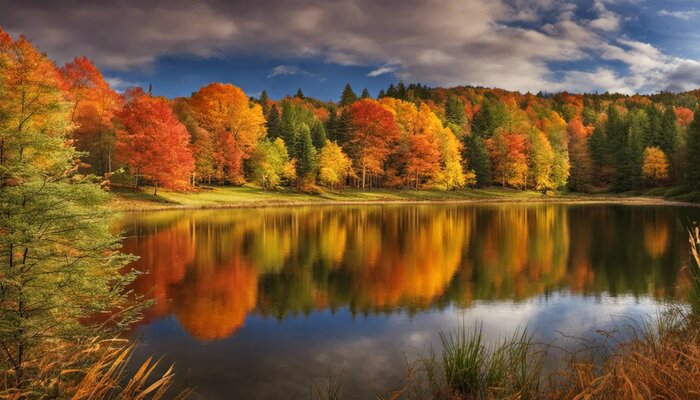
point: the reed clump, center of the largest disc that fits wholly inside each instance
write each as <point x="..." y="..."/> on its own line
<point x="91" y="371"/>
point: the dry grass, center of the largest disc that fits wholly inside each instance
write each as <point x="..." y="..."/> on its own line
<point x="96" y="370"/>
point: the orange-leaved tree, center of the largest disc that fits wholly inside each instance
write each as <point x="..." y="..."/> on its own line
<point x="153" y="143"/>
<point x="655" y="165"/>
<point x="235" y="123"/>
<point x="508" y="157"/>
<point x="93" y="106"/>
<point x="374" y="132"/>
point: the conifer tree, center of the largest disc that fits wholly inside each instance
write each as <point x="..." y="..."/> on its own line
<point x="273" y="123"/>
<point x="365" y="94"/>
<point x="318" y="134"/>
<point x="265" y="102"/>
<point x="306" y="154"/>
<point x="477" y="156"/>
<point x="348" y="97"/>
<point x="693" y="140"/>
<point x="454" y="111"/>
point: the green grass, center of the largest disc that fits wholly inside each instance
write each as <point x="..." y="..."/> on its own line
<point x="683" y="193"/>
<point x="508" y="369"/>
<point x="249" y="195"/>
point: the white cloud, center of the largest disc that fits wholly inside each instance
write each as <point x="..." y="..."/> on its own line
<point x="501" y="43"/>
<point x="282" y="70"/>
<point x="120" y="84"/>
<point x="684" y="15"/>
<point x="382" y="70"/>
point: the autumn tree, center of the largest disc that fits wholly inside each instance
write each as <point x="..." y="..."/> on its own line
<point x="61" y="263"/>
<point x="93" y="106"/>
<point x="333" y="165"/>
<point x="541" y="161"/>
<point x="235" y="124"/>
<point x="153" y="143"/>
<point x="508" y="157"/>
<point x="270" y="164"/>
<point x="655" y="166"/>
<point x="374" y="131"/>
<point x="579" y="154"/>
<point x="451" y="174"/>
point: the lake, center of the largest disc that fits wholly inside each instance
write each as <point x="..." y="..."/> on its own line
<point x="257" y="303"/>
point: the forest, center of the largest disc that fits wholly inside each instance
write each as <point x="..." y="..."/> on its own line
<point x="410" y="136"/>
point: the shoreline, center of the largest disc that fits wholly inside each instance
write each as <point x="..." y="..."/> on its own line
<point x="144" y="206"/>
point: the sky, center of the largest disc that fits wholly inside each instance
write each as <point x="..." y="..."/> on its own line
<point x="178" y="46"/>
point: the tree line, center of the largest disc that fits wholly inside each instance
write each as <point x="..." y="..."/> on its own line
<point x="410" y="136"/>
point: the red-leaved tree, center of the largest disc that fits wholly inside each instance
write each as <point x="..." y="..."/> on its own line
<point x="374" y="132"/>
<point x="153" y="143"/>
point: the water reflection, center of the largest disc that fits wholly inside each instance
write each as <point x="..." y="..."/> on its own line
<point x="214" y="269"/>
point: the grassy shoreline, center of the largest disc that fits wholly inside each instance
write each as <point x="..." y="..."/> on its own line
<point x="251" y="197"/>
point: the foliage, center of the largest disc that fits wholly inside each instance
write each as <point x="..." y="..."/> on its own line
<point x="61" y="270"/>
<point x="270" y="164"/>
<point x="153" y="143"/>
<point x="655" y="167"/>
<point x="334" y="165"/>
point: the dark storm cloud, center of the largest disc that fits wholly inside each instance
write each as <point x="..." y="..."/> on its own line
<point x="505" y="43"/>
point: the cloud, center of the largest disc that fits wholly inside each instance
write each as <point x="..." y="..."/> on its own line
<point x="381" y="71"/>
<point x="606" y="21"/>
<point x="120" y="84"/>
<point x="684" y="15"/>
<point x="502" y="43"/>
<point x="282" y="70"/>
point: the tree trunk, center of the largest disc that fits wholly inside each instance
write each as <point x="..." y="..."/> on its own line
<point x="364" y="173"/>
<point x="155" y="189"/>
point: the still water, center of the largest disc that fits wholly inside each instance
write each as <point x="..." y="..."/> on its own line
<point x="257" y="303"/>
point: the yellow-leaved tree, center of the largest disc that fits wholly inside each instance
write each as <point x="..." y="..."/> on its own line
<point x="655" y="165"/>
<point x="334" y="165"/>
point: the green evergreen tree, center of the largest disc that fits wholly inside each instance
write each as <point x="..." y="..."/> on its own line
<point x="289" y="126"/>
<point x="391" y="91"/>
<point x="598" y="149"/>
<point x="477" y="156"/>
<point x="493" y="114"/>
<point x="348" y="97"/>
<point x="300" y="94"/>
<point x="365" y="94"/>
<point x="306" y="154"/>
<point x="654" y="134"/>
<point x="693" y="150"/>
<point x="264" y="102"/>
<point x="273" y="123"/>
<point x="628" y="174"/>
<point x="454" y="111"/>
<point x="669" y="131"/>
<point x="339" y="131"/>
<point x="318" y="134"/>
<point x="401" y="92"/>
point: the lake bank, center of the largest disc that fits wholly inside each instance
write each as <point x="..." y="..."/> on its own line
<point x="252" y="197"/>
